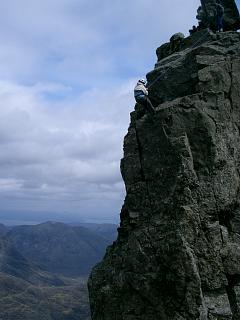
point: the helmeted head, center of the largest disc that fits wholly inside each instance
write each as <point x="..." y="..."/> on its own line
<point x="218" y="1"/>
<point x="143" y="81"/>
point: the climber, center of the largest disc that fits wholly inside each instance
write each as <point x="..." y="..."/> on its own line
<point x="219" y="15"/>
<point x="201" y="17"/>
<point x="141" y="96"/>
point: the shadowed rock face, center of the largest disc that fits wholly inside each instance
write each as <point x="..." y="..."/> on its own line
<point x="177" y="256"/>
<point x="231" y="15"/>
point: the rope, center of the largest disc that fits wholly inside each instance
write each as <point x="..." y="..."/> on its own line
<point x="163" y="74"/>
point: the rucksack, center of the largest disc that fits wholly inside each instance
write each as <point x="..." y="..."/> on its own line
<point x="220" y="9"/>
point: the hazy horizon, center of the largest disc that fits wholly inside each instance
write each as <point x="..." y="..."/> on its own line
<point x="8" y="218"/>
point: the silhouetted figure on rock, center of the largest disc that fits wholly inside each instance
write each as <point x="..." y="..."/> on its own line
<point x="219" y="15"/>
<point x="225" y="12"/>
<point x="193" y="30"/>
<point x="141" y="96"/>
<point x="202" y="18"/>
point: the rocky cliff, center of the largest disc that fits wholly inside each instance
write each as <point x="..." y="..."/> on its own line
<point x="177" y="256"/>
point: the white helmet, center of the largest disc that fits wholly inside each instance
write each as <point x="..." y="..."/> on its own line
<point x="143" y="81"/>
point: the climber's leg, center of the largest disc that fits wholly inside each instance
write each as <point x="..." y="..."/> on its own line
<point x="145" y="101"/>
<point x="219" y="23"/>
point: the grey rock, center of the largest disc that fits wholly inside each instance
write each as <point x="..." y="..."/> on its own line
<point x="178" y="247"/>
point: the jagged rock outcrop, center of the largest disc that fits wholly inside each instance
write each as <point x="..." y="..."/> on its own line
<point x="177" y="256"/>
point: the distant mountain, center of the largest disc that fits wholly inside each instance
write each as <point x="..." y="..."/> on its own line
<point x="106" y="230"/>
<point x="29" y="293"/>
<point x="60" y="248"/>
<point x="21" y="300"/>
<point x="3" y="229"/>
<point x="12" y="263"/>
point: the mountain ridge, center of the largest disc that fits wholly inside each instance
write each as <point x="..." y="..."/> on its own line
<point x="14" y="264"/>
<point x="60" y="248"/>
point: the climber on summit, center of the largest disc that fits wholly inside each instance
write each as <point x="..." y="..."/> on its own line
<point x="219" y="15"/>
<point x="141" y="96"/>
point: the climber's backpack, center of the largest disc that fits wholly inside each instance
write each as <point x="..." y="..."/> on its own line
<point x="220" y="10"/>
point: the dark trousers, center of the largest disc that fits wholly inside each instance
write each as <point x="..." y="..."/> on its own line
<point x="219" y="23"/>
<point x="146" y="102"/>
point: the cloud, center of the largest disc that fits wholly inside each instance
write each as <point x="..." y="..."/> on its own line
<point x="67" y="71"/>
<point x="60" y="156"/>
<point x="82" y="43"/>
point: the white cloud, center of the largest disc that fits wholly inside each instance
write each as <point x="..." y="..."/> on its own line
<point x="67" y="70"/>
<point x="83" y="42"/>
<point x="61" y="153"/>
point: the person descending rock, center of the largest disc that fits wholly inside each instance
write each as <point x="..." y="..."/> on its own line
<point x="219" y="15"/>
<point x="141" y="96"/>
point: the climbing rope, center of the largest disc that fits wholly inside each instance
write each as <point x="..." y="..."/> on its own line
<point x="160" y="77"/>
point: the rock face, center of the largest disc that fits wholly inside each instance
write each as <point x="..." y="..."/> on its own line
<point x="177" y="256"/>
<point x="231" y="15"/>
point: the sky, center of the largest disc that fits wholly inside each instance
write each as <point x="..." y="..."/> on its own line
<point x="67" y="72"/>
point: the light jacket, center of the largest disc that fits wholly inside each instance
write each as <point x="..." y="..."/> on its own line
<point x="139" y="89"/>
